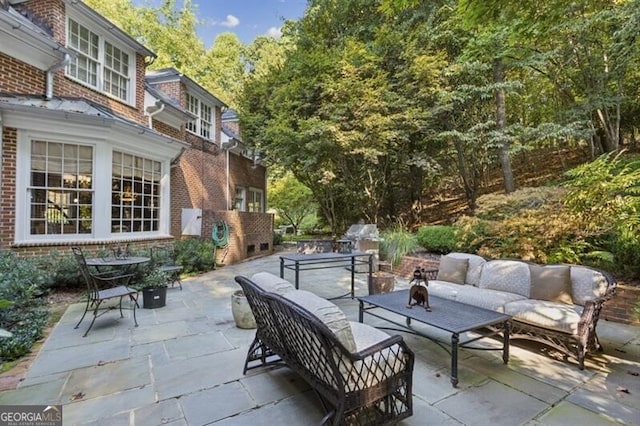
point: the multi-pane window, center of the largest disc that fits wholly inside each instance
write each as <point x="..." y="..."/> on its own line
<point x="135" y="193"/>
<point x="203" y="124"/>
<point x="60" y="188"/>
<point x="84" y="66"/>
<point x="116" y="71"/>
<point x="98" y="63"/>
<point x="254" y="201"/>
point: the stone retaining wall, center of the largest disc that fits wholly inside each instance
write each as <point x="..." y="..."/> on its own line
<point x="619" y="309"/>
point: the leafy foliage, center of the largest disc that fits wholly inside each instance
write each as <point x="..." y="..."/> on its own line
<point x="437" y="238"/>
<point x="396" y="243"/>
<point x="21" y="283"/>
<point x="195" y="255"/>
<point x="292" y="200"/>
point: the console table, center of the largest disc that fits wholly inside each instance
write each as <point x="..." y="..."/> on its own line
<point x="301" y="262"/>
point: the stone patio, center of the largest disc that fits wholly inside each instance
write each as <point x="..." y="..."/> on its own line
<point x="183" y="366"/>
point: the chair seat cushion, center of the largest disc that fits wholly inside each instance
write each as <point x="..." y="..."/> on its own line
<point x="552" y="315"/>
<point x="377" y="367"/>
<point x="483" y="298"/>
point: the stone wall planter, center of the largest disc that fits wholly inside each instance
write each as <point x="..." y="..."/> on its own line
<point x="241" y="311"/>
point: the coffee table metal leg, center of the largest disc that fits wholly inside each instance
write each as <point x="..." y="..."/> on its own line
<point x="505" y="342"/>
<point x="454" y="359"/>
<point x="361" y="312"/>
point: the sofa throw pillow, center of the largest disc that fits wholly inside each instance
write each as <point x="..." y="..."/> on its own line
<point x="552" y="283"/>
<point x="452" y="270"/>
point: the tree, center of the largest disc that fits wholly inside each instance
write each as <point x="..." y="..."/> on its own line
<point x="291" y="199"/>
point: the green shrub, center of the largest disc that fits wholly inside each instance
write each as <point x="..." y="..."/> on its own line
<point x="396" y="243"/>
<point x="438" y="238"/>
<point x="63" y="270"/>
<point x="23" y="284"/>
<point x="277" y="239"/>
<point x="195" y="255"/>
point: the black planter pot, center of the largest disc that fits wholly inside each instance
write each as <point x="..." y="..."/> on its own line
<point x="154" y="297"/>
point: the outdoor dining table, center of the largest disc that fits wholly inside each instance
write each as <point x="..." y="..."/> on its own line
<point x="123" y="263"/>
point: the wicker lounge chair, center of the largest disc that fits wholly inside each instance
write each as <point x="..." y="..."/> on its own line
<point x="371" y="385"/>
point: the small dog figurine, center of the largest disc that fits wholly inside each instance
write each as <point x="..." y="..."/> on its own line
<point x="417" y="292"/>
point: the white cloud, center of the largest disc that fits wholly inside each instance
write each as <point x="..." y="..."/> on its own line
<point x="230" y="22"/>
<point x="274" y="32"/>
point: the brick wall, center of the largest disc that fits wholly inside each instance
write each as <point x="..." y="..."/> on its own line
<point x="89" y="249"/>
<point x="8" y="179"/>
<point x="18" y="77"/>
<point x="250" y="234"/>
<point x="618" y="309"/>
<point x="621" y="307"/>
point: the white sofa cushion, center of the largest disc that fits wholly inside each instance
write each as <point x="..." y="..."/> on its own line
<point x="552" y="315"/>
<point x="474" y="269"/>
<point x="506" y="275"/>
<point x="326" y="312"/>
<point x="272" y="283"/>
<point x="453" y="270"/>
<point x="483" y="298"/>
<point x="586" y="284"/>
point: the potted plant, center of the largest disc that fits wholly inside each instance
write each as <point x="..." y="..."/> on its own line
<point x="154" y="289"/>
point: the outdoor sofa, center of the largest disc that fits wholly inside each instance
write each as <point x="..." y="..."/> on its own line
<point x="362" y="375"/>
<point x="557" y="305"/>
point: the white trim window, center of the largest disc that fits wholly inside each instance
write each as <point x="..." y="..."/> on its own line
<point x="61" y="188"/>
<point x="202" y="125"/>
<point x="135" y="193"/>
<point x="98" y="63"/>
<point x="254" y="202"/>
<point x="238" y="202"/>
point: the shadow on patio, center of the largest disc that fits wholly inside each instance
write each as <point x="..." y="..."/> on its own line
<point x="183" y="365"/>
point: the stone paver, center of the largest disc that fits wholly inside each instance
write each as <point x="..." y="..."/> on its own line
<point x="183" y="366"/>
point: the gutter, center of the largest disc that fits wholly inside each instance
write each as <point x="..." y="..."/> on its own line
<point x="49" y="85"/>
<point x="228" y="148"/>
<point x="152" y="114"/>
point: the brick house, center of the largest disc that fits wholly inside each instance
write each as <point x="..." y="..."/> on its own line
<point x="94" y="154"/>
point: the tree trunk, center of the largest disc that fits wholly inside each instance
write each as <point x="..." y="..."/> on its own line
<point x="501" y="118"/>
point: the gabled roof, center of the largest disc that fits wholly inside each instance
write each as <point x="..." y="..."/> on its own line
<point x="168" y="75"/>
<point x="99" y="21"/>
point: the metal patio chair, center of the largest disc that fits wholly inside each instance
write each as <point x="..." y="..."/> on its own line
<point x="104" y="286"/>
<point x="165" y="260"/>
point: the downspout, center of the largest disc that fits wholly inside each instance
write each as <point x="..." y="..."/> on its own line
<point x="49" y="88"/>
<point x="235" y="144"/>
<point x="152" y="114"/>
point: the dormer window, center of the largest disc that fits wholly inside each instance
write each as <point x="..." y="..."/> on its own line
<point x="203" y="124"/>
<point x="99" y="63"/>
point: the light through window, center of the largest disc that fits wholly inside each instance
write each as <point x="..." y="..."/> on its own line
<point x="61" y="188"/>
<point x="135" y="193"/>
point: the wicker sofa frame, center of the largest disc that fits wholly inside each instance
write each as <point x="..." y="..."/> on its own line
<point x="575" y="346"/>
<point x="369" y="387"/>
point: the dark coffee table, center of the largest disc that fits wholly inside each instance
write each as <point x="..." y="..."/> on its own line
<point x="451" y="316"/>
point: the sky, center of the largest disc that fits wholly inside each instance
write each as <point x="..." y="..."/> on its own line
<point x="247" y="18"/>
